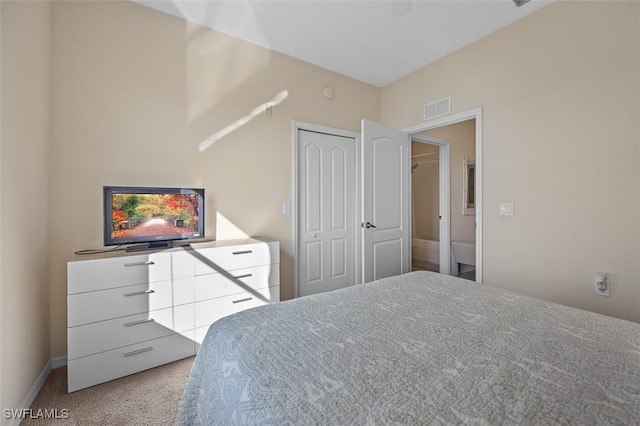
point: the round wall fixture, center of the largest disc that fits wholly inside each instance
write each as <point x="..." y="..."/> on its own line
<point x="327" y="92"/>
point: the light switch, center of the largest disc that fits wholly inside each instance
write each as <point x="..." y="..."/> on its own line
<point x="506" y="209"/>
<point x="286" y="209"/>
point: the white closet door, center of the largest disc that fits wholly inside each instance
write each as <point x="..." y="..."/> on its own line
<point x="386" y="155"/>
<point x="327" y="203"/>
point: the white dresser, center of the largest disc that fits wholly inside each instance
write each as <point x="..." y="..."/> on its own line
<point x="130" y="312"/>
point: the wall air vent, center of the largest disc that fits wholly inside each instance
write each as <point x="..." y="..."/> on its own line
<point x="437" y="108"/>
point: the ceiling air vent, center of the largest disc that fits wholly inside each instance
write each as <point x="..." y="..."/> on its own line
<point x="437" y="108"/>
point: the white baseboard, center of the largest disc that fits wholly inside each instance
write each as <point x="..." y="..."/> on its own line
<point x="52" y="364"/>
<point x="58" y="362"/>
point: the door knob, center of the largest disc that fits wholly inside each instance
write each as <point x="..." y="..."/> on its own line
<point x="369" y="225"/>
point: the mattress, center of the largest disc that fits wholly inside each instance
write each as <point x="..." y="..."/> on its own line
<point x="414" y="349"/>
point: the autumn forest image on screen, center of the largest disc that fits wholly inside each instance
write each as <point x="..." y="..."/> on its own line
<point x="140" y="215"/>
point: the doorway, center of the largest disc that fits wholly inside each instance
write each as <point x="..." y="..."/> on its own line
<point x="425" y="206"/>
<point x="373" y="231"/>
<point x="466" y="179"/>
<point x="376" y="205"/>
<point x="425" y="237"/>
<point x="430" y="206"/>
<point x="326" y="206"/>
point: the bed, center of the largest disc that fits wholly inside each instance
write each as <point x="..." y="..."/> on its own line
<point x="414" y="349"/>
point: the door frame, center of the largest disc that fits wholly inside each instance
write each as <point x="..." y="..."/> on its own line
<point x="300" y="125"/>
<point x="444" y="176"/>
<point x="474" y="113"/>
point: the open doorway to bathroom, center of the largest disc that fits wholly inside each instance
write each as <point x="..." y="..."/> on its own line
<point x="462" y="140"/>
<point x="425" y="211"/>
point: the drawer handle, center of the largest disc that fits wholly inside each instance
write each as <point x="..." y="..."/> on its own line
<point x="129" y="324"/>
<point x="246" y="299"/>
<point x="139" y="351"/>
<point x="137" y="293"/>
<point x="147" y="263"/>
<point x="243" y="276"/>
<point x="242" y="252"/>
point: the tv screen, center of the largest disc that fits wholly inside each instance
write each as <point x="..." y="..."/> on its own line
<point x="152" y="215"/>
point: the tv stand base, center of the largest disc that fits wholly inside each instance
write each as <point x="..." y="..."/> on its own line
<point x="157" y="245"/>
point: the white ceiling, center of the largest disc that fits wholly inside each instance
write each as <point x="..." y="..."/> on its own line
<point x="374" y="41"/>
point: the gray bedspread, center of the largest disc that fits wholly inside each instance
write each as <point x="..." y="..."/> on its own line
<point x="420" y="348"/>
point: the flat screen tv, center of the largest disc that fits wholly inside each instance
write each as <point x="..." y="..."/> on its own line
<point x="153" y="217"/>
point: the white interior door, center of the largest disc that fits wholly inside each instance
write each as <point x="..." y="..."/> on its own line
<point x="326" y="214"/>
<point x="386" y="216"/>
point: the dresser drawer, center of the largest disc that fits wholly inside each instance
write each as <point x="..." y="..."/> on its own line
<point x="229" y="258"/>
<point x="101" y="305"/>
<point x="238" y="281"/>
<point x="182" y="262"/>
<point x="109" y="365"/>
<point x="209" y="311"/>
<point x="111" y="272"/>
<point x="183" y="290"/>
<point x="101" y="336"/>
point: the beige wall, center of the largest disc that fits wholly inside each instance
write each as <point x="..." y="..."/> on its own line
<point x="425" y="192"/>
<point x="561" y="99"/>
<point x="24" y="209"/>
<point x="134" y="91"/>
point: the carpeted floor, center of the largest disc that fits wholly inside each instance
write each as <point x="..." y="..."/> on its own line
<point x="150" y="397"/>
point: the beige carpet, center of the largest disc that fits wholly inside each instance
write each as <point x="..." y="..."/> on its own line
<point x="151" y="397"/>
